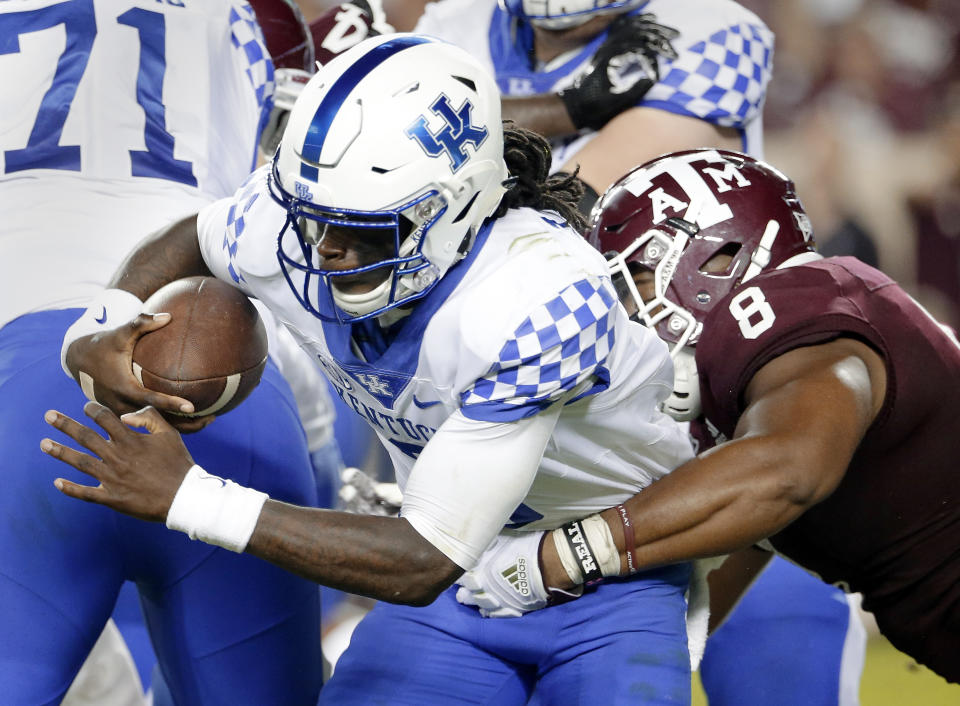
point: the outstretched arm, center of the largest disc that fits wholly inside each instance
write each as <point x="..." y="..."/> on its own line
<point x="381" y="557"/>
<point x="806" y="413"/>
<point x="152" y="477"/>
<point x="460" y="494"/>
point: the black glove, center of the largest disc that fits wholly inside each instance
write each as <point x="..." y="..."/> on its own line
<point x="620" y="73"/>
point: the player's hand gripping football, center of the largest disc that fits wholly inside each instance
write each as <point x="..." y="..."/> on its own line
<point x="139" y="474"/>
<point x="621" y="72"/>
<point x="103" y="365"/>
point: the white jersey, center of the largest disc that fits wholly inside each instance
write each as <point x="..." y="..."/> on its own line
<point x="527" y="322"/>
<point x="724" y="62"/>
<point x="116" y="118"/>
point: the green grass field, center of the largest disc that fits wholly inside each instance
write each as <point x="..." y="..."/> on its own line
<point x="890" y="678"/>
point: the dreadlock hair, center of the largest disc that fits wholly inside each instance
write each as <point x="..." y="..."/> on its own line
<point x="527" y="155"/>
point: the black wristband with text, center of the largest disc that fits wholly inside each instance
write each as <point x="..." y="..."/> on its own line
<point x="582" y="552"/>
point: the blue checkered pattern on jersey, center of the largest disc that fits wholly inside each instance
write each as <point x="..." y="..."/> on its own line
<point x="722" y="80"/>
<point x="561" y="344"/>
<point x="235" y="222"/>
<point x="246" y="35"/>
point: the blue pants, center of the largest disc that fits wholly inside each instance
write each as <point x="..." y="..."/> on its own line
<point x="227" y="628"/>
<point x="791" y="641"/>
<point x="623" y="642"/>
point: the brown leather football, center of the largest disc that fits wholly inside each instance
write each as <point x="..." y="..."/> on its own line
<point x="212" y="352"/>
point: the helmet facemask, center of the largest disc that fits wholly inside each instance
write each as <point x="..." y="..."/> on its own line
<point x="407" y="273"/>
<point x="657" y="251"/>
<point x="399" y="137"/>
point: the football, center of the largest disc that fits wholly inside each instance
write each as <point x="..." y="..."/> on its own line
<point x="213" y="350"/>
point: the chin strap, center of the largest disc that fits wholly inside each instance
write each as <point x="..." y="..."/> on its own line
<point x="683" y="404"/>
<point x="362" y="304"/>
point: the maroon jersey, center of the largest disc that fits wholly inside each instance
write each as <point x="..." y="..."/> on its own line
<point x="891" y="529"/>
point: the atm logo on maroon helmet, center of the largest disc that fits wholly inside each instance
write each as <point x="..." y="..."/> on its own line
<point x="700" y="177"/>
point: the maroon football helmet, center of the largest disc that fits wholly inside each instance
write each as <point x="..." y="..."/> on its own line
<point x="286" y="34"/>
<point x="673" y="214"/>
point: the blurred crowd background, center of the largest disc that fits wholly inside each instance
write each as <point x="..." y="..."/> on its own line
<point x="864" y="114"/>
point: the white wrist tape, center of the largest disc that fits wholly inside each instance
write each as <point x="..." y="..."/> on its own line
<point x="215" y="510"/>
<point x="109" y="309"/>
<point x="587" y="548"/>
<point x="570" y="564"/>
<point x="604" y="547"/>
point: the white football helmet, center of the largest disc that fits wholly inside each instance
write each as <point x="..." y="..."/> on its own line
<point x="400" y="133"/>
<point x="564" y="14"/>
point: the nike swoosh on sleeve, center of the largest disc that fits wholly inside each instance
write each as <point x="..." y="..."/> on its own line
<point x="102" y="319"/>
<point x="207" y="476"/>
<point x="424" y="405"/>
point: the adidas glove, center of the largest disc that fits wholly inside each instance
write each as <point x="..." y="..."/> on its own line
<point x="621" y="72"/>
<point x="507" y="582"/>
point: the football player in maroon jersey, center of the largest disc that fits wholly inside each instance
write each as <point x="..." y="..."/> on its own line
<point x="827" y="388"/>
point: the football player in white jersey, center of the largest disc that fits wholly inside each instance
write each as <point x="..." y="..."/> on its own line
<point x="706" y="88"/>
<point x="421" y="253"/>
<point x="116" y="117"/>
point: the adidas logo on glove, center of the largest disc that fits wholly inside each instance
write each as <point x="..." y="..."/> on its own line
<point x="516" y="576"/>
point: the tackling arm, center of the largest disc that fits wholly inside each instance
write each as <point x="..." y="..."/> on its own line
<point x="806" y="413"/>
